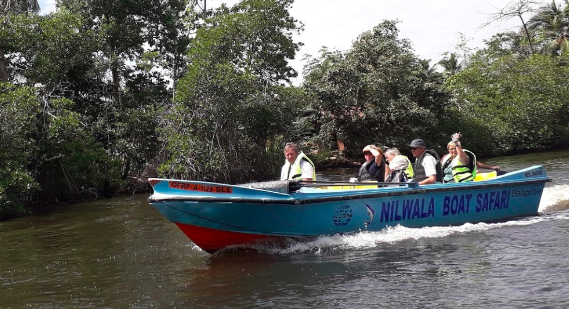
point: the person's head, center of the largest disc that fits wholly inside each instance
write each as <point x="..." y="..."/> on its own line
<point x="417" y="147"/>
<point x="369" y="154"/>
<point x="451" y="147"/>
<point x="391" y="153"/>
<point x="291" y="152"/>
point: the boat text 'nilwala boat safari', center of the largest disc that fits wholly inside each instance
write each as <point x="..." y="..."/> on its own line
<point x="217" y="216"/>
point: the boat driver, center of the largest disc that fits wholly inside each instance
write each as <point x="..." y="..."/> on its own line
<point x="297" y="165"/>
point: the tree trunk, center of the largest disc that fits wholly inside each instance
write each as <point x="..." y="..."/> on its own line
<point x="116" y="83"/>
<point x="3" y="72"/>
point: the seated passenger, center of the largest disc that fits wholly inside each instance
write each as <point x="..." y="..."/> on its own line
<point x="459" y="165"/>
<point x="427" y="168"/>
<point x="375" y="167"/>
<point x="400" y="166"/>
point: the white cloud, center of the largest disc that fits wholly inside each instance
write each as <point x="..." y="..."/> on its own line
<point x="47" y="6"/>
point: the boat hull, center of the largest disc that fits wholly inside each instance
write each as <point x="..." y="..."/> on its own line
<point x="231" y="216"/>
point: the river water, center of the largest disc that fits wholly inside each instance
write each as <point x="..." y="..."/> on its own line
<point x="121" y="253"/>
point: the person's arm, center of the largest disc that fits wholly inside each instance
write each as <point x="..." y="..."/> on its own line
<point x="484" y="165"/>
<point x="377" y="155"/>
<point x="379" y="163"/>
<point x="431" y="179"/>
<point x="307" y="170"/>
<point x="387" y="169"/>
<point x="430" y="166"/>
<point x="462" y="156"/>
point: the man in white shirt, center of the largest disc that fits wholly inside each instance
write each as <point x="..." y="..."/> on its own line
<point x="297" y="165"/>
<point x="425" y="167"/>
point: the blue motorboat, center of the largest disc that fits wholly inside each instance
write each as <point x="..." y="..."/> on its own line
<point x="217" y="216"/>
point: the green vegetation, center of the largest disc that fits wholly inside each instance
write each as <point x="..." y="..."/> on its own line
<point x="99" y="96"/>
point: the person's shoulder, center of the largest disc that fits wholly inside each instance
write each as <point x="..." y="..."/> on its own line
<point x="430" y="158"/>
<point x="305" y="163"/>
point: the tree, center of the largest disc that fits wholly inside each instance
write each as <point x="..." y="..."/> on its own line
<point x="511" y="104"/>
<point x="376" y="92"/>
<point x="517" y="9"/>
<point x="19" y="6"/>
<point x="450" y="64"/>
<point x="506" y="43"/>
<point x="137" y="44"/>
<point x="7" y="9"/>
<point x="551" y="22"/>
<point x="232" y="108"/>
<point x="18" y="111"/>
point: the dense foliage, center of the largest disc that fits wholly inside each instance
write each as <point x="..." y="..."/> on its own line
<point x="512" y="105"/>
<point x="377" y="92"/>
<point x="100" y="95"/>
<point x="231" y="111"/>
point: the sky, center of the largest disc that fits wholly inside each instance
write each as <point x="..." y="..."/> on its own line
<point x="432" y="26"/>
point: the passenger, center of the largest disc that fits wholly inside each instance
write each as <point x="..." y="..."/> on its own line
<point x="400" y="166"/>
<point x="375" y="167"/>
<point x="447" y="166"/>
<point x="460" y="164"/>
<point x="297" y="165"/>
<point x="427" y="168"/>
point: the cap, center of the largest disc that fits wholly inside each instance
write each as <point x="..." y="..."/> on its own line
<point x="368" y="148"/>
<point x="417" y="143"/>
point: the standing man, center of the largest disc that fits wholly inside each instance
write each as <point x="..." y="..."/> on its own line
<point x="297" y="165"/>
<point x="425" y="167"/>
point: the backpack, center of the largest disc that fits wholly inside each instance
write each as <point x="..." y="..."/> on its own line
<point x="397" y="176"/>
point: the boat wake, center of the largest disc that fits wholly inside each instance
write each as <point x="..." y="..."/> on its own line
<point x="555" y="198"/>
<point x="397" y="234"/>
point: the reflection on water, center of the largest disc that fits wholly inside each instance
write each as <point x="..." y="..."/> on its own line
<point x="122" y="253"/>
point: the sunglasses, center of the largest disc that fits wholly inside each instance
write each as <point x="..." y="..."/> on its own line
<point x="413" y="148"/>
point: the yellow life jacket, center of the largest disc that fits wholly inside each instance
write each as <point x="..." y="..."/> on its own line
<point x="294" y="172"/>
<point x="462" y="172"/>
<point x="409" y="169"/>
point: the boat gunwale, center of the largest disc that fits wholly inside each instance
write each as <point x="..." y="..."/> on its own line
<point x="297" y="201"/>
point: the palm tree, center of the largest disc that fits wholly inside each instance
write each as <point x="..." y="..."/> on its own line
<point x="450" y="64"/>
<point x="8" y="7"/>
<point x="552" y="24"/>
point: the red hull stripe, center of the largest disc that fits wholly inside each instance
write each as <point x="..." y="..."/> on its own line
<point x="211" y="240"/>
<point x="153" y="181"/>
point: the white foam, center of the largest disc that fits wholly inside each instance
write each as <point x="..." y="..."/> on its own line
<point x="552" y="196"/>
<point x="399" y="233"/>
